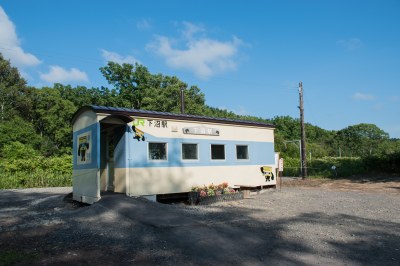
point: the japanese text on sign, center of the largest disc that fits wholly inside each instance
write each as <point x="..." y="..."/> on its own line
<point x="158" y="123"/>
<point x="281" y="165"/>
<point x="201" y="131"/>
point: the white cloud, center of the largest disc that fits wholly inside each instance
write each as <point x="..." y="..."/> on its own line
<point x="240" y="110"/>
<point x="350" y="44"/>
<point x="143" y="24"/>
<point x="58" y="74"/>
<point x="363" y="96"/>
<point x="10" y="44"/>
<point x="191" y="29"/>
<point x="205" y="57"/>
<point x="117" y="58"/>
<point x="25" y="74"/>
<point x="394" y="98"/>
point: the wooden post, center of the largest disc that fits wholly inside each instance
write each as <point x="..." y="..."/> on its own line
<point x="280" y="172"/>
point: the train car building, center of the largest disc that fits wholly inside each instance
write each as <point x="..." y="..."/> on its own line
<point x="145" y="153"/>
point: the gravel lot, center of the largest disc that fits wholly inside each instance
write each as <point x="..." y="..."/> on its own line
<point x="313" y="225"/>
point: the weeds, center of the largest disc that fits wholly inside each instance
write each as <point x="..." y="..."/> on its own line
<point x="36" y="178"/>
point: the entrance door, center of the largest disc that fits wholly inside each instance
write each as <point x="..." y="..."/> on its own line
<point x="112" y="146"/>
<point x="110" y="163"/>
<point x="106" y="159"/>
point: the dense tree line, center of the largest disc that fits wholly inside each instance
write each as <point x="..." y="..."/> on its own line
<point x="37" y="120"/>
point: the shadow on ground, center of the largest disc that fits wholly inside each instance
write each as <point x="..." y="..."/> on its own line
<point x="126" y="231"/>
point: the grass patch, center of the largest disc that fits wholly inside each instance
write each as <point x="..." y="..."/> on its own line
<point x="345" y="167"/>
<point x="36" y="178"/>
<point x="13" y="257"/>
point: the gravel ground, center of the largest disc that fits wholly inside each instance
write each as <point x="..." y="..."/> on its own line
<point x="295" y="226"/>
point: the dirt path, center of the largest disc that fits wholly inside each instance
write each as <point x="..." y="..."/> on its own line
<point x="308" y="223"/>
<point x="384" y="184"/>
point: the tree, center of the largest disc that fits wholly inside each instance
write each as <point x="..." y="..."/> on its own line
<point x="20" y="130"/>
<point x="17" y="150"/>
<point x="217" y="112"/>
<point x="164" y="95"/>
<point x="138" y="88"/>
<point x="129" y="80"/>
<point x="362" y="139"/>
<point x="80" y="95"/>
<point x="52" y="118"/>
<point x="11" y="88"/>
<point x="288" y="127"/>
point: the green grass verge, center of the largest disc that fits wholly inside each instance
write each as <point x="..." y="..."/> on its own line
<point x="36" y="178"/>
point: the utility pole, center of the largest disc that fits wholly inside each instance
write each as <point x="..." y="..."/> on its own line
<point x="303" y="134"/>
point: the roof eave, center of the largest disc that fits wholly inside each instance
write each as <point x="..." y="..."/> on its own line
<point x="171" y="116"/>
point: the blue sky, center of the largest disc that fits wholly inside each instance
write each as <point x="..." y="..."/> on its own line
<point x="246" y="56"/>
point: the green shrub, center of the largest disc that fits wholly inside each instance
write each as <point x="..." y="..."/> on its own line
<point x="291" y="167"/>
<point x="383" y="164"/>
<point x="36" y="178"/>
<point x="62" y="164"/>
<point x="345" y="166"/>
<point x="36" y="171"/>
<point x="16" y="149"/>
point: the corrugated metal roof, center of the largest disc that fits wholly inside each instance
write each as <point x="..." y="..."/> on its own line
<point x="166" y="115"/>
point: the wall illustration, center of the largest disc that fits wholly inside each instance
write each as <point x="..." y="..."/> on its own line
<point x="139" y="134"/>
<point x="267" y="172"/>
<point x="84" y="148"/>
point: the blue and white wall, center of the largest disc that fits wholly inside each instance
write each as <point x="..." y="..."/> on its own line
<point x="86" y="138"/>
<point x="147" y="177"/>
<point x="135" y="174"/>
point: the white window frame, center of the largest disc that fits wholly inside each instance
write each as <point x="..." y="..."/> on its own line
<point x="248" y="153"/>
<point x="157" y="160"/>
<point x="211" y="152"/>
<point x="191" y="143"/>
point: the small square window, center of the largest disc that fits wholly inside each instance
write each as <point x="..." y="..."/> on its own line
<point x="157" y="151"/>
<point x="217" y="152"/>
<point x="242" y="152"/>
<point x="189" y="151"/>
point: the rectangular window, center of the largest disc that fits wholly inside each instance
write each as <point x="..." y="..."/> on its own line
<point x="242" y="152"/>
<point x="189" y="152"/>
<point x="157" y="151"/>
<point x="217" y="152"/>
